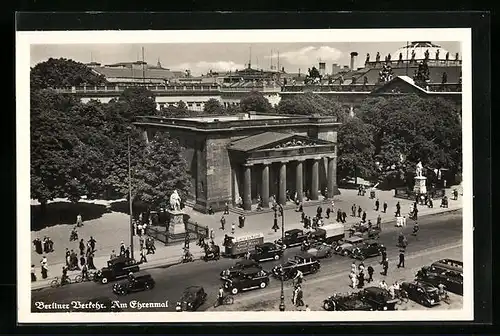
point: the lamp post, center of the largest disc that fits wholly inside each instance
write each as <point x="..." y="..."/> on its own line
<point x="282" y="293"/>
<point x="130" y="195"/>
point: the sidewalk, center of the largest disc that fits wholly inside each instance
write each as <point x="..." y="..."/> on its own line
<point x="112" y="228"/>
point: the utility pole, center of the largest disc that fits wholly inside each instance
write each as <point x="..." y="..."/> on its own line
<point x="129" y="129"/>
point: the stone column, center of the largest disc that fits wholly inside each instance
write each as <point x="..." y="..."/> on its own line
<point x="265" y="186"/>
<point x="299" y="183"/>
<point x="315" y="180"/>
<point x="282" y="186"/>
<point x="247" y="187"/>
<point x="331" y="177"/>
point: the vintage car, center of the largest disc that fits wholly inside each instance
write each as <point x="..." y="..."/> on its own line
<point x="135" y="283"/>
<point x="239" y="246"/>
<point x="452" y="265"/>
<point x="320" y="250"/>
<point x="192" y="298"/>
<point x="247" y="279"/>
<point x="117" y="268"/>
<point x="452" y="280"/>
<point x="239" y="266"/>
<point x="292" y="238"/>
<point x="305" y="262"/>
<point x="346" y="302"/>
<point x="266" y="251"/>
<point x="317" y="235"/>
<point x="334" y="232"/>
<point x="346" y="246"/>
<point x="378" y="298"/>
<point x="422" y="293"/>
<point x="369" y="248"/>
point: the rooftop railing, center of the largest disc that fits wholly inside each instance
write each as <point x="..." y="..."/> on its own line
<point x="153" y="88"/>
<point x="366" y="88"/>
<point x="430" y="62"/>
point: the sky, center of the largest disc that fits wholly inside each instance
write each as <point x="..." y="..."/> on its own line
<point x="202" y="57"/>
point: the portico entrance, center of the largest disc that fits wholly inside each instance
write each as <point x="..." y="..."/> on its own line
<point x="281" y="164"/>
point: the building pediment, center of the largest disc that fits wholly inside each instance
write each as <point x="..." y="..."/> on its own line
<point x="399" y="85"/>
<point x="275" y="141"/>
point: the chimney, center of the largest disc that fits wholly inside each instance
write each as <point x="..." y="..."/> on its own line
<point x="353" y="59"/>
<point x="322" y="68"/>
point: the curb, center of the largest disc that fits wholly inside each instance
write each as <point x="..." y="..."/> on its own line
<point x="172" y="261"/>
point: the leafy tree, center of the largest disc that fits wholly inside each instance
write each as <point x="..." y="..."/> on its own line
<point x="162" y="170"/>
<point x="177" y="111"/>
<point x="62" y="72"/>
<point x="309" y="104"/>
<point x="213" y="107"/>
<point x="355" y="150"/>
<point x="314" y="73"/>
<point x="255" y="101"/>
<point x="138" y="101"/>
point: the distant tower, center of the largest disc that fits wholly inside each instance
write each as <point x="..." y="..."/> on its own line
<point x="159" y="63"/>
<point x="353" y="59"/>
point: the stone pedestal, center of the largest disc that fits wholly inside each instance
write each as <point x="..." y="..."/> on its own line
<point x="420" y="187"/>
<point x="176" y="225"/>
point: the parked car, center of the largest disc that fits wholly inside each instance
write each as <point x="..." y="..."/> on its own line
<point x="450" y="264"/>
<point x="239" y="266"/>
<point x="247" y="279"/>
<point x="117" y="268"/>
<point x="266" y="251"/>
<point x="369" y="248"/>
<point x="293" y="237"/>
<point x="305" y="262"/>
<point x="317" y="235"/>
<point x="192" y="298"/>
<point x="422" y="293"/>
<point x="378" y="298"/>
<point x="346" y="246"/>
<point x="136" y="283"/>
<point x="346" y="302"/>
<point x="452" y="280"/>
<point x="320" y="250"/>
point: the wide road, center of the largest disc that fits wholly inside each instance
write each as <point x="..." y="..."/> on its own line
<point x="435" y="231"/>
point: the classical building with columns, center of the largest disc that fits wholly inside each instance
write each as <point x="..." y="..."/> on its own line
<point x="247" y="156"/>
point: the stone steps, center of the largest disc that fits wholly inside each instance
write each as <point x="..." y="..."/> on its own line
<point x="288" y="206"/>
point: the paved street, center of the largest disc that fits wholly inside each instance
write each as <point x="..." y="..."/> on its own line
<point x="436" y="232"/>
<point x="112" y="228"/>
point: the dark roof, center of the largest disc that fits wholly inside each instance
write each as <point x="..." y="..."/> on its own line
<point x="135" y="73"/>
<point x="266" y="244"/>
<point x="251" y="270"/>
<point x="294" y="230"/>
<point x="259" y="140"/>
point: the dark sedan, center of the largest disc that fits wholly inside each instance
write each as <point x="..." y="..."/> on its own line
<point x="346" y="302"/>
<point x="192" y="298"/>
<point x="239" y="266"/>
<point x="378" y="298"/>
<point x="422" y="293"/>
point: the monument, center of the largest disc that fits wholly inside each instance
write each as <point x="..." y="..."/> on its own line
<point x="176" y="224"/>
<point x="420" y="180"/>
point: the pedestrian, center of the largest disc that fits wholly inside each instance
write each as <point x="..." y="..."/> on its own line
<point x="361" y="279"/>
<point x="398" y="209"/>
<point x="353" y="210"/>
<point x="79" y="221"/>
<point x="212" y="234"/>
<point x="233" y="228"/>
<point x="354" y="268"/>
<point x="139" y="229"/>
<point x="430" y="203"/>
<point x="377" y="204"/>
<point x="415" y="214"/>
<point x="241" y="221"/>
<point x="401" y="258"/>
<point x="82" y="247"/>
<point x="226" y="209"/>
<point x="33" y="274"/>
<point x="122" y="248"/>
<point x="92" y="242"/>
<point x="328" y="210"/>
<point x="361" y="267"/>
<point x="359" y="211"/>
<point x="143" y="256"/>
<point x="384" y="255"/>
<point x="67" y="257"/>
<point x="113" y="255"/>
<point x="344" y="217"/>
<point x="127" y="252"/>
<point x="403" y="221"/>
<point x="319" y="211"/>
<point x="353" y="279"/>
<point x="45" y="267"/>
<point x="90" y="261"/>
<point x="301" y="207"/>
<point x="363" y="218"/>
<point x="302" y="216"/>
<point x="143" y="231"/>
<point x="210" y="210"/>
<point x="222" y="222"/>
<point x="379" y="220"/>
<point x="275" y="223"/>
<point x="85" y="272"/>
<point x="370" y="273"/>
<point x="385" y="266"/>
<point x="82" y="261"/>
<point x="385" y="207"/>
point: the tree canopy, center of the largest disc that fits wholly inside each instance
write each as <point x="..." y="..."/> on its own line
<point x="213" y="107"/>
<point x="310" y="104"/>
<point x="255" y="101"/>
<point x="62" y="72"/>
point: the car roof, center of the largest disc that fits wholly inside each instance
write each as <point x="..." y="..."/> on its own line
<point x="268" y="244"/>
<point x="119" y="259"/>
<point x="251" y="270"/>
<point x="375" y="289"/>
<point x="141" y="274"/>
<point x="193" y="289"/>
<point x="293" y="231"/>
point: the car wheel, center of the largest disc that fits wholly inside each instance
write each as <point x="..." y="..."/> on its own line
<point x="276" y="256"/>
<point x="327" y="306"/>
<point x="263" y="285"/>
<point x="284" y="247"/>
<point x="345" y="253"/>
<point x="234" y="291"/>
<point x="104" y="281"/>
<point x="314" y="269"/>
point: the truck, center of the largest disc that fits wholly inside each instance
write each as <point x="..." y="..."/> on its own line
<point x="334" y="232"/>
<point x="239" y="246"/>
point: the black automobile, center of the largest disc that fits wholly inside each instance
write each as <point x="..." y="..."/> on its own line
<point x="292" y="238"/>
<point x="452" y="280"/>
<point x="450" y="264"/>
<point x="239" y="266"/>
<point x="192" y="298"/>
<point x="135" y="283"/>
<point x="422" y="293"/>
<point x="117" y="268"/>
<point x="305" y="262"/>
<point x="346" y="302"/>
<point x="266" y="251"/>
<point x="247" y="279"/>
<point x="367" y="249"/>
<point x="378" y="298"/>
<point x="318" y="235"/>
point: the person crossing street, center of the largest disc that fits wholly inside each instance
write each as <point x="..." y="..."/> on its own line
<point x="385" y="207"/>
<point x="222" y="222"/>
<point x="377" y="204"/>
<point x="401" y="258"/>
<point x="370" y="273"/>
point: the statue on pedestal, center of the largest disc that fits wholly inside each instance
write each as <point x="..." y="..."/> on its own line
<point x="419" y="169"/>
<point x="175" y="201"/>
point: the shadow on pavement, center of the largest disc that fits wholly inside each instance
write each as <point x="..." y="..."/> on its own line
<point x="64" y="213"/>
